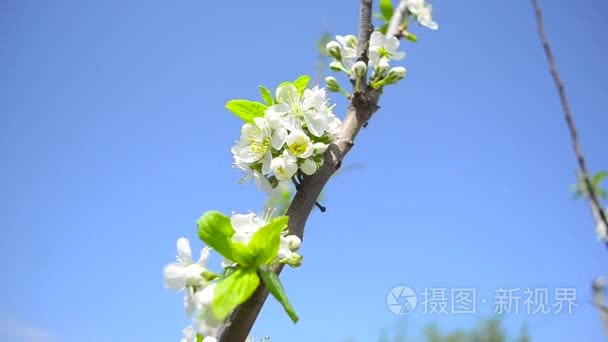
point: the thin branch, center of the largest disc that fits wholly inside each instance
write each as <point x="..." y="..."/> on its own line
<point x="596" y="209"/>
<point x="397" y="19"/>
<point x="599" y="286"/>
<point x="362" y="106"/>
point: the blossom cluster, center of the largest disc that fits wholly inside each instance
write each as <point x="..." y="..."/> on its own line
<point x="282" y="139"/>
<point x="382" y="50"/>
<point x="291" y="136"/>
<point x="199" y="283"/>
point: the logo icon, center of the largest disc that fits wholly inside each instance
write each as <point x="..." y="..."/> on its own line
<point x="401" y="300"/>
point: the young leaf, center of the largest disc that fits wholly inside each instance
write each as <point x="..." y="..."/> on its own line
<point x="379" y="17"/>
<point x="234" y="290"/>
<point x="383" y="28"/>
<point x="386" y="7"/>
<point x="599" y="177"/>
<point x="264" y="243"/>
<point x="243" y="255"/>
<point x="274" y="286"/>
<point x="245" y="109"/>
<point x="301" y="83"/>
<point x="215" y="230"/>
<point x="266" y="95"/>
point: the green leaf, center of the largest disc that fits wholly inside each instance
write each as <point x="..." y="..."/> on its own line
<point x="274" y="286"/>
<point x="383" y="28"/>
<point x="245" y="109"/>
<point x="599" y="177"/>
<point x="264" y="244"/>
<point x="379" y="17"/>
<point x="199" y="337"/>
<point x="386" y="8"/>
<point x="242" y="254"/>
<point x="215" y="230"/>
<point x="301" y="83"/>
<point x="233" y="291"/>
<point x="266" y="95"/>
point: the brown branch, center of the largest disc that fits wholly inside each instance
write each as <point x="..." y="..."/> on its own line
<point x="361" y="108"/>
<point x="596" y="209"/>
<point x="599" y="286"/>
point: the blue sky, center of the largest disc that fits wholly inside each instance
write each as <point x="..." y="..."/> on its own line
<point x="114" y="140"/>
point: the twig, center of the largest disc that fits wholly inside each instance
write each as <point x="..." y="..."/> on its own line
<point x="596" y="209"/>
<point x="599" y="286"/>
<point x="361" y="108"/>
<point x="397" y="19"/>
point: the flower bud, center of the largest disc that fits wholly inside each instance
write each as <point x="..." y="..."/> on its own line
<point x="295" y="260"/>
<point x="308" y="166"/>
<point x="381" y="68"/>
<point x="395" y="74"/>
<point x="334" y="49"/>
<point x="351" y="41"/>
<point x="332" y="83"/>
<point x="336" y="66"/>
<point x="319" y="147"/>
<point x="293" y="242"/>
<point x="410" y="36"/>
<point x="359" y="69"/>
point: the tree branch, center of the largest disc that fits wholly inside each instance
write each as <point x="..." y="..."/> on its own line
<point x="361" y="108"/>
<point x="599" y="286"/>
<point x="397" y="19"/>
<point x="596" y="209"/>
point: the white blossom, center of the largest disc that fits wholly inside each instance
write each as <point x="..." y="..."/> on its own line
<point x="287" y="110"/>
<point x="348" y="45"/>
<point x="297" y="127"/>
<point x="254" y="142"/>
<point x="178" y="275"/>
<point x="381" y="46"/>
<point x="244" y="226"/>
<point x="423" y="12"/>
<point x="285" y="166"/>
<point x="299" y="144"/>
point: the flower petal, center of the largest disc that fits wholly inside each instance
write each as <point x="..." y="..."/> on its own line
<point x="174" y="276"/>
<point x="287" y="93"/>
<point x="202" y="260"/>
<point x="399" y="55"/>
<point x="278" y="138"/>
<point x="242" y="221"/>
<point x="266" y="163"/>
<point x="309" y="167"/>
<point x="184" y="252"/>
